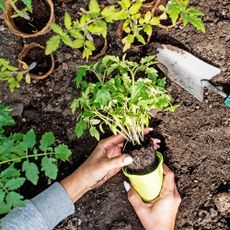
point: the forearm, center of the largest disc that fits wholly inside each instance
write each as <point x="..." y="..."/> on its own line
<point x="43" y="212"/>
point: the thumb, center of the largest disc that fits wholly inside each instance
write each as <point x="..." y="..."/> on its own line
<point x="133" y="197"/>
<point x="119" y="161"/>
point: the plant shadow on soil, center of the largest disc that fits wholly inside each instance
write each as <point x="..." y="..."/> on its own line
<point x="196" y="134"/>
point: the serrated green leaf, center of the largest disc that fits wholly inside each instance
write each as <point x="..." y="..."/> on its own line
<point x="52" y="44"/>
<point x="174" y="13"/>
<point x="46" y="141"/>
<point x="94" y="133"/>
<point x="141" y="39"/>
<point x="31" y="171"/>
<point x="94" y="6"/>
<point x="148" y="30"/>
<point x="56" y="28"/>
<point x="4" y="208"/>
<point x="135" y="8"/>
<point x="80" y="127"/>
<point x="10" y="172"/>
<point x="194" y="12"/>
<point x="67" y="21"/>
<point x="14" y="199"/>
<point x="29" y="139"/>
<point x="197" y="23"/>
<point x="15" y="183"/>
<point x="62" y="152"/>
<point x="49" y="167"/>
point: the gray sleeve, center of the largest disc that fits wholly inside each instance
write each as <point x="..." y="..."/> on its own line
<point x="43" y="212"/>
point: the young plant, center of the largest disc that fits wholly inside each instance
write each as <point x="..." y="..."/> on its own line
<point x="22" y="159"/>
<point x="178" y="9"/>
<point x="80" y="33"/>
<point x="136" y="25"/>
<point x="19" y="12"/>
<point x="121" y="99"/>
<point x="12" y="74"/>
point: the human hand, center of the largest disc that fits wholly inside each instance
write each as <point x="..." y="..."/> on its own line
<point x="160" y="213"/>
<point x="105" y="161"/>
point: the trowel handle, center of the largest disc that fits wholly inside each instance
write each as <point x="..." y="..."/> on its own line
<point x="209" y="85"/>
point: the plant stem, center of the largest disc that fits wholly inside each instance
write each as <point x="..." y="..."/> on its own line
<point x="21" y="158"/>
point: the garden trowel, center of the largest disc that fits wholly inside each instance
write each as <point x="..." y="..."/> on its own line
<point x="209" y="85"/>
<point x="185" y="69"/>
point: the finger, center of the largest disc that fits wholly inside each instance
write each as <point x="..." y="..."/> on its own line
<point x="116" y="162"/>
<point x="169" y="179"/>
<point x="147" y="130"/>
<point x="113" y="140"/>
<point x="135" y="199"/>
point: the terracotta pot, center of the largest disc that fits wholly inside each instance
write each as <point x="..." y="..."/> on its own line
<point x="24" y="53"/>
<point x="99" y="53"/>
<point x="15" y="30"/>
<point x="121" y="35"/>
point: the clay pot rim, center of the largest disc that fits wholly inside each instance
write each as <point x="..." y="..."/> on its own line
<point x="134" y="48"/>
<point x="14" y="30"/>
<point x="25" y="51"/>
<point x="100" y="53"/>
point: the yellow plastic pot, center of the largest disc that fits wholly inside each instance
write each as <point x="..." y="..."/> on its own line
<point x="149" y="185"/>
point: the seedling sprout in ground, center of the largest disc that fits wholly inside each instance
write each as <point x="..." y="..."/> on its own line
<point x="23" y="158"/>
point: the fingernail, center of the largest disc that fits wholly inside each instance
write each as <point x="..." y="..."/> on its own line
<point x="150" y="129"/>
<point x="128" y="160"/>
<point x="126" y="186"/>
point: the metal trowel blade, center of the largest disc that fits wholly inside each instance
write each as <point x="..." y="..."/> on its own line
<point x="186" y="69"/>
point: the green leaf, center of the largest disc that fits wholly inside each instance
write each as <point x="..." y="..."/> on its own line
<point x="14" y="199"/>
<point x="94" y="6"/>
<point x="10" y="172"/>
<point x="4" y="208"/>
<point x="148" y="30"/>
<point x="94" y="133"/>
<point x="52" y="44"/>
<point x="102" y="97"/>
<point x="28" y="4"/>
<point x="135" y="8"/>
<point x="140" y="39"/>
<point x="67" y="21"/>
<point x="31" y="171"/>
<point x="174" y="13"/>
<point x="2" y="195"/>
<point x="194" y="12"/>
<point x="197" y="23"/>
<point x="47" y="140"/>
<point x="62" y="152"/>
<point x="80" y="127"/>
<point x="2" y="5"/>
<point x="29" y="139"/>
<point x="49" y="167"/>
<point x="78" y="43"/>
<point x="90" y="45"/>
<point x="81" y="72"/>
<point x="15" y="183"/>
<point x="56" y="28"/>
<point x="110" y="13"/>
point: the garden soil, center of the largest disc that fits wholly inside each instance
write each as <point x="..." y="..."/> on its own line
<point x="196" y="136"/>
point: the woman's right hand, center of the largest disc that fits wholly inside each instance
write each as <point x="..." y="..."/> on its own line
<point x="159" y="214"/>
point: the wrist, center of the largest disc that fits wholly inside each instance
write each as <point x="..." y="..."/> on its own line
<point x="75" y="186"/>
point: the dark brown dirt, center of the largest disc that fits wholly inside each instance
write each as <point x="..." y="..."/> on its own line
<point x="197" y="135"/>
<point x="144" y="161"/>
<point x="38" y="18"/>
<point x="43" y="62"/>
<point x="99" y="44"/>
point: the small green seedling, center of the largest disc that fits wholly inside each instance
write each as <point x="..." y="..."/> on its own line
<point x="80" y="33"/>
<point x="120" y="99"/>
<point x="21" y="159"/>
<point x="136" y="25"/>
<point x="19" y="13"/>
<point x="178" y="9"/>
<point x="12" y="74"/>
